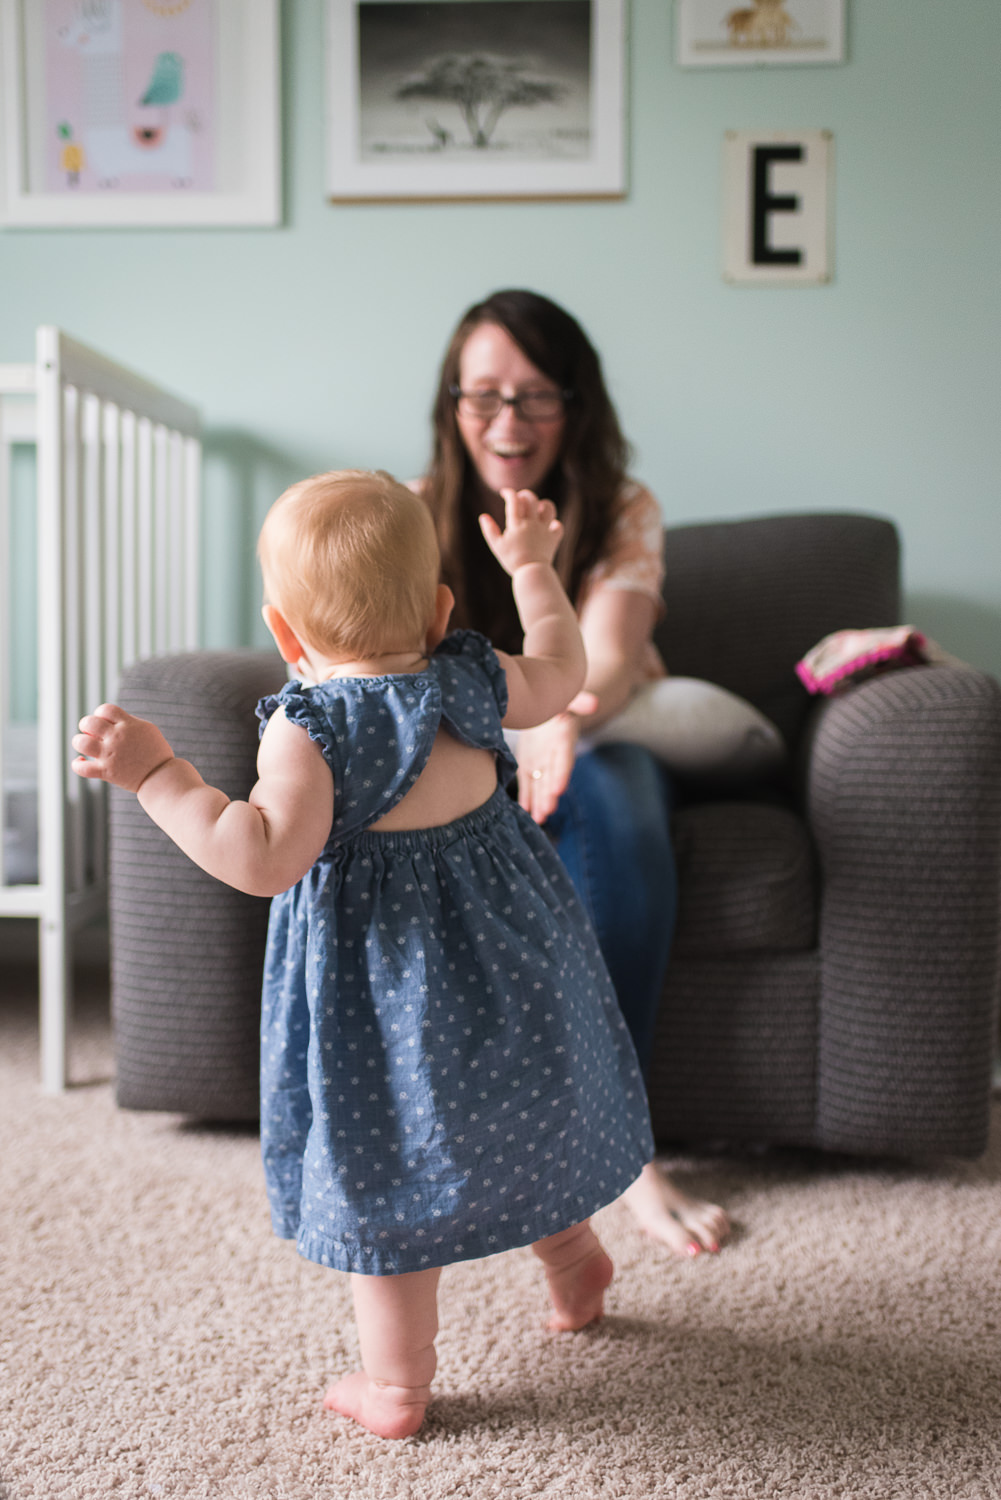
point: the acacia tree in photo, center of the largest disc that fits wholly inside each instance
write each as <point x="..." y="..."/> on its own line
<point x="483" y="87"/>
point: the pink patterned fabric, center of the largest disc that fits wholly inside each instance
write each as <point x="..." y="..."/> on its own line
<point x="850" y="655"/>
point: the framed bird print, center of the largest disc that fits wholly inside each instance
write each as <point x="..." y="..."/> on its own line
<point x="154" y="113"/>
<point x="456" y="99"/>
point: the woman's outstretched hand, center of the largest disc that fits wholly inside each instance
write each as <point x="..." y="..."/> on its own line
<point x="531" y="532"/>
<point x="546" y="757"/>
<point x="115" y="746"/>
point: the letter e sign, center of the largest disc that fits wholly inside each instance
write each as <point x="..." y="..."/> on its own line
<point x="777" y="206"/>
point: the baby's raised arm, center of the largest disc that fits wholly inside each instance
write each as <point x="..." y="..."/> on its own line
<point x="550" y="671"/>
<point x="261" y="846"/>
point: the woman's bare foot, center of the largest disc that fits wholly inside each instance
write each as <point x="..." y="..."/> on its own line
<point x="391" y="1411"/>
<point x="685" y="1225"/>
<point x="578" y="1272"/>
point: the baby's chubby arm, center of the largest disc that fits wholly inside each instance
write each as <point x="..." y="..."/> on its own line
<point x="261" y="846"/>
<point x="550" y="671"/>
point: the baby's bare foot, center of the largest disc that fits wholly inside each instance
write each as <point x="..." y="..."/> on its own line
<point x="577" y="1290"/>
<point x="685" y="1225"/>
<point x="390" y="1411"/>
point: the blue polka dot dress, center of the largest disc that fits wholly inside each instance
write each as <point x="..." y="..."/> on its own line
<point x="444" y="1069"/>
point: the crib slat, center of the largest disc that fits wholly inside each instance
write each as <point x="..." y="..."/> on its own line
<point x="129" y="540"/>
<point x="92" y="556"/>
<point x="89" y="859"/>
<point x="145" y="572"/>
<point x="161" y="525"/>
<point x="52" y="947"/>
<point x="77" y="610"/>
<point x="192" y="542"/>
<point x="176" y="519"/>
<point x="111" y="443"/>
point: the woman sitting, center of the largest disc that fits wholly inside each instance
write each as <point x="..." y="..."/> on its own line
<point x="522" y="404"/>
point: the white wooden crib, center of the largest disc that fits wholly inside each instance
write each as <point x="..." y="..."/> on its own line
<point x="116" y="503"/>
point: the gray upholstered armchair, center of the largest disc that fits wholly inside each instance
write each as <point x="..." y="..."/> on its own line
<point x="834" y="977"/>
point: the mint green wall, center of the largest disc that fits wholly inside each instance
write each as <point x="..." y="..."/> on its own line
<point x="316" y="344"/>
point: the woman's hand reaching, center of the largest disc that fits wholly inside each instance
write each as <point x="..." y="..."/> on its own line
<point x="546" y="757"/>
<point x="531" y="532"/>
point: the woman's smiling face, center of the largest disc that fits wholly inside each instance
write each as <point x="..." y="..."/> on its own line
<point x="507" y="451"/>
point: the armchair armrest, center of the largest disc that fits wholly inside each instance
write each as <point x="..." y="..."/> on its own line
<point x="187" y="953"/>
<point x="903" y="794"/>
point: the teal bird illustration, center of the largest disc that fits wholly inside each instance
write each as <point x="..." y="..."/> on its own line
<point x="167" y="84"/>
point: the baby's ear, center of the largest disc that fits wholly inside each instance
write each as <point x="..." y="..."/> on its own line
<point x="443" y="605"/>
<point x="288" y="643"/>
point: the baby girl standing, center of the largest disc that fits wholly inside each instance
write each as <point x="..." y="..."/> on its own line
<point x="445" y="1071"/>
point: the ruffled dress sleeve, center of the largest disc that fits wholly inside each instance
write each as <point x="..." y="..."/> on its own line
<point x="294" y="698"/>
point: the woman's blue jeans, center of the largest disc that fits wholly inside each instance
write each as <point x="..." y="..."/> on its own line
<point x="612" y="830"/>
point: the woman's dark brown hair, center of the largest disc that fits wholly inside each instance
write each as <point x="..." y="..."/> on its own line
<point x="583" y="484"/>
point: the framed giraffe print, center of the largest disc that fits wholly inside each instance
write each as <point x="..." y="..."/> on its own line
<point x="139" y="113"/>
<point x="761" y="33"/>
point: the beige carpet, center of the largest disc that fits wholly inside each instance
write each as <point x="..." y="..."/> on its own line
<point x="155" y="1340"/>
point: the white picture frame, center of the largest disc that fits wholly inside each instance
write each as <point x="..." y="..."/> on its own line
<point x="778" y="212"/>
<point x="396" y="133"/>
<point x="759" y="33"/>
<point x="246" y="125"/>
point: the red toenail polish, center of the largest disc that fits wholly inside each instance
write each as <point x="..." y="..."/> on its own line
<point x="693" y="1249"/>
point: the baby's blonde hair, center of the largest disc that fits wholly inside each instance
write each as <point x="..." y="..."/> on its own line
<point x="350" y="559"/>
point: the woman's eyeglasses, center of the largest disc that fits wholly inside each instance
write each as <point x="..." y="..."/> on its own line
<point x="531" y="406"/>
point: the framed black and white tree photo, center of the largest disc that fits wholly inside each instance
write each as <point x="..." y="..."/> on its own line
<point x="475" y="99"/>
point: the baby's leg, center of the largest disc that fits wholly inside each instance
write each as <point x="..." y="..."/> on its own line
<point x="397" y="1320"/>
<point x="578" y="1271"/>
